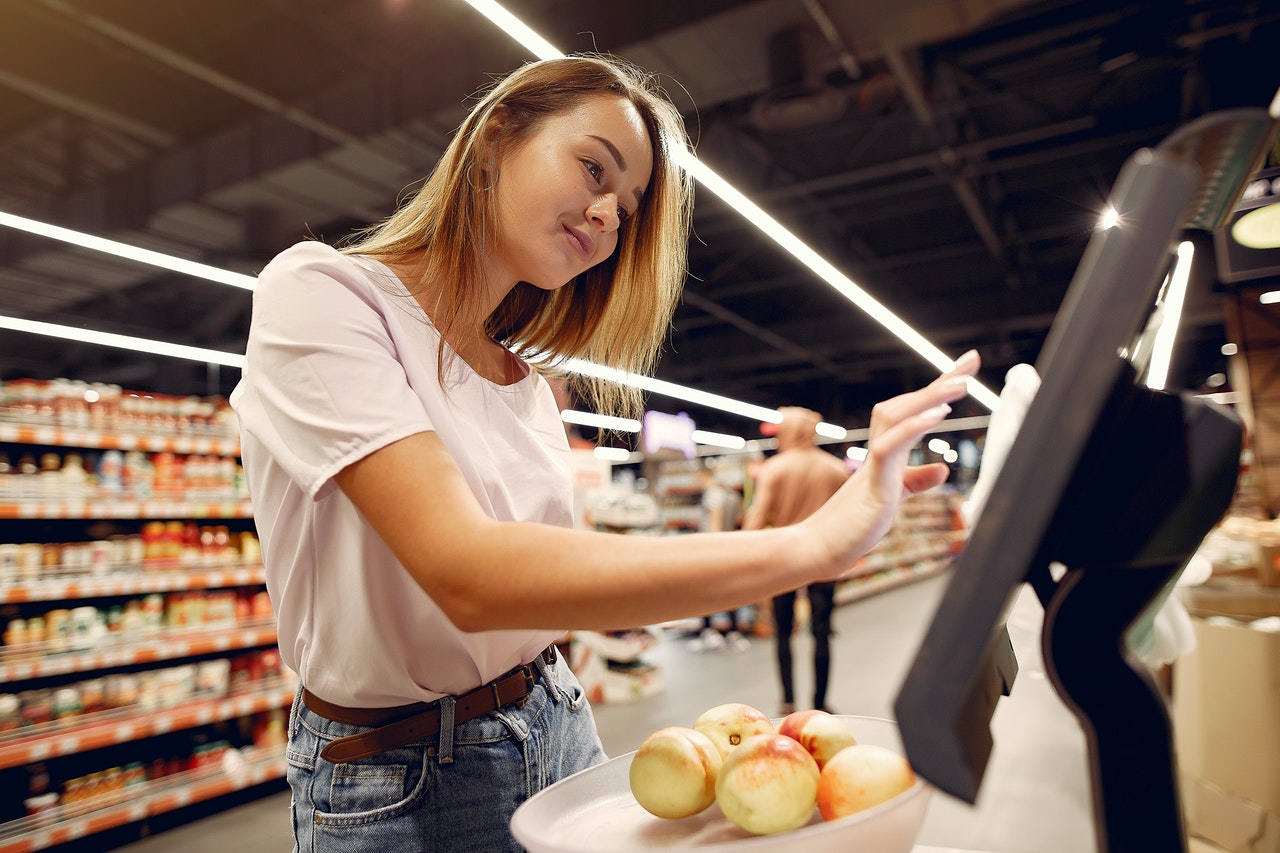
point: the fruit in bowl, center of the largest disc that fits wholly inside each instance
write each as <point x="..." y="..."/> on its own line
<point x="859" y="777"/>
<point x="820" y="732"/>
<point x="594" y="811"/>
<point x="673" y="773"/>
<point x="768" y="784"/>
<point x="730" y="724"/>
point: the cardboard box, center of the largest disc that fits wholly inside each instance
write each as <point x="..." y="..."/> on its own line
<point x="1226" y="710"/>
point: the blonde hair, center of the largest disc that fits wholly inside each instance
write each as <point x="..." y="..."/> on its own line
<point x="615" y="314"/>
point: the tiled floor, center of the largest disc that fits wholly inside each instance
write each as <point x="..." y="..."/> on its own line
<point x="1034" y="797"/>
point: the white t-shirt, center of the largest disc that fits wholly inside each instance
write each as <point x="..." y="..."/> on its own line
<point x="341" y="362"/>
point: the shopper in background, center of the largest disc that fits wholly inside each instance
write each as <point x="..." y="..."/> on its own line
<point x="721" y="510"/>
<point x="410" y="474"/>
<point x="790" y="486"/>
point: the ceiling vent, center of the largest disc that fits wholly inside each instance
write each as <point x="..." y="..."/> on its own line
<point x="800" y="98"/>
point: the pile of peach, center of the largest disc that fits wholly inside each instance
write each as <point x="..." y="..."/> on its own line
<point x="765" y="780"/>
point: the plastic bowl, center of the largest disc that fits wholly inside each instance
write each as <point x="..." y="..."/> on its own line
<point x="594" y="812"/>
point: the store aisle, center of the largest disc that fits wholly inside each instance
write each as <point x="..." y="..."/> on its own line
<point x="1034" y="797"/>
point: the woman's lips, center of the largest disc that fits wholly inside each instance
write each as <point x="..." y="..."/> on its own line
<point x="581" y="243"/>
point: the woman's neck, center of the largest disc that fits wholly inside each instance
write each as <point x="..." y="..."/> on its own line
<point x="463" y="330"/>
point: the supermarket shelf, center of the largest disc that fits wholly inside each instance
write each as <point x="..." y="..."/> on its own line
<point x="129" y="583"/>
<point x="874" y="584"/>
<point x="57" y="436"/>
<point x="163" y="645"/>
<point x="133" y="582"/>
<point x="95" y="510"/>
<point x="139" y="802"/>
<point x="93" y="731"/>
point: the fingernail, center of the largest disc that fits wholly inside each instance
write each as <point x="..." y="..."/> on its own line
<point x="938" y="412"/>
<point x="966" y="359"/>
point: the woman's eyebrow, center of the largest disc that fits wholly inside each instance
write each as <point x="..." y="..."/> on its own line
<point x="613" y="150"/>
<point x="617" y="158"/>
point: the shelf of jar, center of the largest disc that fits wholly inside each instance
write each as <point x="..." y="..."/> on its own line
<point x="26" y="661"/>
<point x="123" y="725"/>
<point x="242" y="768"/>
<point x="68" y="584"/>
<point x="55" y="436"/>
<point x="123" y="509"/>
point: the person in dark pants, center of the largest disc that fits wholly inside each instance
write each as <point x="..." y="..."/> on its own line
<point x="789" y="487"/>
<point x="821" y="602"/>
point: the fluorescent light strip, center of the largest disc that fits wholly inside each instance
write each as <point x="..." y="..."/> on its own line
<point x="107" y="339"/>
<point x="770" y="227"/>
<point x="671" y="389"/>
<point x="1171" y="314"/>
<point x="718" y="439"/>
<point x="124" y="250"/>
<point x="591" y="419"/>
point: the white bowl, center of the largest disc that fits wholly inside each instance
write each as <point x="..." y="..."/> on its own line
<point x="594" y="812"/>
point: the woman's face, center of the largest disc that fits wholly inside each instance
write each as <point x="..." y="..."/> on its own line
<point x="565" y="192"/>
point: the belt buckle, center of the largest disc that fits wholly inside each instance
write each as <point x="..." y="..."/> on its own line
<point x="529" y="680"/>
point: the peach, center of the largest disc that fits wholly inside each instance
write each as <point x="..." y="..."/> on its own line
<point x="730" y="724"/>
<point x="673" y="773"/>
<point x="859" y="777"/>
<point x="821" y="733"/>
<point x="768" y="784"/>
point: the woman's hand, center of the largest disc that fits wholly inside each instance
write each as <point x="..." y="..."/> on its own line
<point x="858" y="515"/>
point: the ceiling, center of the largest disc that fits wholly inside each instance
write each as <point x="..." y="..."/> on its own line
<point x="950" y="156"/>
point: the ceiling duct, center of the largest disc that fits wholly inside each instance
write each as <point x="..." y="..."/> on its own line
<point x="800" y="98"/>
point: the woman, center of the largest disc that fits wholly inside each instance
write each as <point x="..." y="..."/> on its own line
<point x="410" y="479"/>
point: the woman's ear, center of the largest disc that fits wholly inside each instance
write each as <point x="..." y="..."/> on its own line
<point x="490" y="143"/>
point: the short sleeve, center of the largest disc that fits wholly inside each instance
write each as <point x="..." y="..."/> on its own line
<point x="322" y="385"/>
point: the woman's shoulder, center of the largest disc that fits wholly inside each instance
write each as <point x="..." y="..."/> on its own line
<point x="308" y="253"/>
<point x="311" y="263"/>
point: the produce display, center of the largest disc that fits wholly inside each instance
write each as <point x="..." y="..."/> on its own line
<point x="765" y="779"/>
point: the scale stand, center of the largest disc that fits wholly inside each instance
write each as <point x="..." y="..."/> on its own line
<point x="1116" y="482"/>
<point x="1156" y="493"/>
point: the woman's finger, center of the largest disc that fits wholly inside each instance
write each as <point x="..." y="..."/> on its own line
<point x="947" y="388"/>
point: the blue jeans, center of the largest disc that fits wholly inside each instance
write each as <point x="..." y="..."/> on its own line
<point x="442" y="793"/>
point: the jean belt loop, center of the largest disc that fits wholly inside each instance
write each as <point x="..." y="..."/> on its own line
<point x="293" y="712"/>
<point x="544" y="672"/>
<point x="446" y="729"/>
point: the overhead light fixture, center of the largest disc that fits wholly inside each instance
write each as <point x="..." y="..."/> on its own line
<point x="1247" y="248"/>
<point x="718" y="439"/>
<point x="591" y="419"/>
<point x="124" y="250"/>
<point x="670" y="389"/>
<point x="767" y="225"/>
<point x="612" y="454"/>
<point x="1171" y="314"/>
<point x="1258" y="225"/>
<point x="108" y="339"/>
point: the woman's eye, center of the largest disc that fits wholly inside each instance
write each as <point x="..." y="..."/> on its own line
<point x="594" y="169"/>
<point x="623" y="216"/>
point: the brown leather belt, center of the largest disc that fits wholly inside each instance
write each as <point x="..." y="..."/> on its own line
<point x="408" y="723"/>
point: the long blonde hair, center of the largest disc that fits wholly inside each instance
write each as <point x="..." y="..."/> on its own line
<point x="617" y="313"/>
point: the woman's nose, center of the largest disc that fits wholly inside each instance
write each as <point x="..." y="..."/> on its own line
<point x="604" y="212"/>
